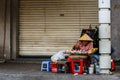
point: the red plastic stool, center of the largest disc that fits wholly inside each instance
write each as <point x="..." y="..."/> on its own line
<point x="112" y="65"/>
<point x="77" y="66"/>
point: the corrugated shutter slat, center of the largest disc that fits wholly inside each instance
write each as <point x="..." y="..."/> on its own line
<point x="47" y="26"/>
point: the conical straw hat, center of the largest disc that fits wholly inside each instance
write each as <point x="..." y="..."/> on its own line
<point x="85" y="37"/>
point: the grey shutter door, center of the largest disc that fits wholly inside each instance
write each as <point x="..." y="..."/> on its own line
<point x="47" y="26"/>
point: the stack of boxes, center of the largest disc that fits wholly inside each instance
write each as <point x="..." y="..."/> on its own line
<point x="104" y="35"/>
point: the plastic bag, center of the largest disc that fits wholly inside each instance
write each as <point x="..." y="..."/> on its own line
<point x="58" y="56"/>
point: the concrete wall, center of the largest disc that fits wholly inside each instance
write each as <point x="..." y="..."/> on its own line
<point x="8" y="27"/>
<point x="116" y="28"/>
<point x="1" y="28"/>
<point x="4" y="29"/>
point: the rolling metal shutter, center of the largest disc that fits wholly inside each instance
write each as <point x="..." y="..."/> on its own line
<point x="47" y="26"/>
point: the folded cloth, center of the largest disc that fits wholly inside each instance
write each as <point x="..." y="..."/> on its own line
<point x="92" y="51"/>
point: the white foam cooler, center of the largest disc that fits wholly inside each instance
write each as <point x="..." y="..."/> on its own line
<point x="104" y="31"/>
<point x="105" y="61"/>
<point x="105" y="46"/>
<point x="104" y="16"/>
<point x="104" y="3"/>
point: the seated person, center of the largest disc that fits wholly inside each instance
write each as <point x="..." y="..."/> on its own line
<point x="84" y="44"/>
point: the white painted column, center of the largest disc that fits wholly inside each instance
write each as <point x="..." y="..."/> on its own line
<point x="104" y="35"/>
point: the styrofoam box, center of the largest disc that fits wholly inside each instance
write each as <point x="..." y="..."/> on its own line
<point x="104" y="3"/>
<point x="105" y="61"/>
<point x="105" y="46"/>
<point x="104" y="16"/>
<point x="104" y="31"/>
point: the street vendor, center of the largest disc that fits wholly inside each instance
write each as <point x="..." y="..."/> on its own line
<point x="84" y="44"/>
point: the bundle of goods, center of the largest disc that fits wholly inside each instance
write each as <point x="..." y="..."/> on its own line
<point x="92" y="51"/>
<point x="76" y="52"/>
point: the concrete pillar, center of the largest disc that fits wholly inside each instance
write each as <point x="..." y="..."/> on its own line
<point x="104" y="35"/>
